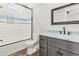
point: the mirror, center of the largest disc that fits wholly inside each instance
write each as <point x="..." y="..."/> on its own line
<point x="67" y="14"/>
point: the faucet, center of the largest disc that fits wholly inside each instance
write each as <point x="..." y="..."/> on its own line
<point x="64" y="30"/>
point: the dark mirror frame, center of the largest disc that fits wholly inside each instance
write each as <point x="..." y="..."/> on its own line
<point x="62" y="23"/>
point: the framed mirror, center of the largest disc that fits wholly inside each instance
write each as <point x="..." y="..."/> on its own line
<point x="67" y="14"/>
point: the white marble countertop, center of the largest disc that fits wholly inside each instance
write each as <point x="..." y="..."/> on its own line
<point x="73" y="38"/>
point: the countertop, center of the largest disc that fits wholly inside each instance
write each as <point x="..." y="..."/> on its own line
<point x="73" y="38"/>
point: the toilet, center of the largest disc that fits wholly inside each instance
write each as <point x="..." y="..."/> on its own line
<point x="32" y="45"/>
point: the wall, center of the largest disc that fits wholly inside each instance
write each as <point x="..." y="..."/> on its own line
<point x="42" y="19"/>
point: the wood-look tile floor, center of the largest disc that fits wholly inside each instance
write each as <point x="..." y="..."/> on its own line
<point x="24" y="53"/>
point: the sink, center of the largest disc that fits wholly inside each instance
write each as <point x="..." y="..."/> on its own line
<point x="73" y="38"/>
<point x="57" y="35"/>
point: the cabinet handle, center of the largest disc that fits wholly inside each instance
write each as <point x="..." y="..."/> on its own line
<point x="43" y="39"/>
<point x="42" y="47"/>
<point x="1" y="40"/>
<point x="57" y="52"/>
<point x="61" y="54"/>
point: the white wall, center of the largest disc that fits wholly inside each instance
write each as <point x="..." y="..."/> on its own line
<point x="42" y="19"/>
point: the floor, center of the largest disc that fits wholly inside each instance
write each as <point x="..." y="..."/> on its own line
<point x="24" y="53"/>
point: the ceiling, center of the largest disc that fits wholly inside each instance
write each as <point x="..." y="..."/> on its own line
<point x="34" y="5"/>
<point x="37" y="5"/>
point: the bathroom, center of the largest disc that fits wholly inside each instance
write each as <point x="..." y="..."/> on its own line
<point x="39" y="29"/>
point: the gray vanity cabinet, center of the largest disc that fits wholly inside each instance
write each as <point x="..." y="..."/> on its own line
<point x="57" y="47"/>
<point x="53" y="51"/>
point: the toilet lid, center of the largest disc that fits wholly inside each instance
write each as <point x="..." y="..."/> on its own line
<point x="30" y="42"/>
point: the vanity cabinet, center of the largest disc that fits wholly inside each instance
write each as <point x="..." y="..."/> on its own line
<point x="50" y="46"/>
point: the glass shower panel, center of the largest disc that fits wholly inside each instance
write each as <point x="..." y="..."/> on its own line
<point x="23" y="16"/>
<point x="15" y="23"/>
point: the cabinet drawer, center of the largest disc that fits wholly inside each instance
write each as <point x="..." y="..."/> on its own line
<point x="43" y="38"/>
<point x="56" y="42"/>
<point x="60" y="43"/>
<point x="66" y="45"/>
<point x="43" y="48"/>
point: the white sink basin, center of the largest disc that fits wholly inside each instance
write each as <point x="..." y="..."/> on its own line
<point x="57" y="35"/>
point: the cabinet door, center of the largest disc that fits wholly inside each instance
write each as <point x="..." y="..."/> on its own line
<point x="43" y="48"/>
<point x="53" y="51"/>
<point x="66" y="53"/>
